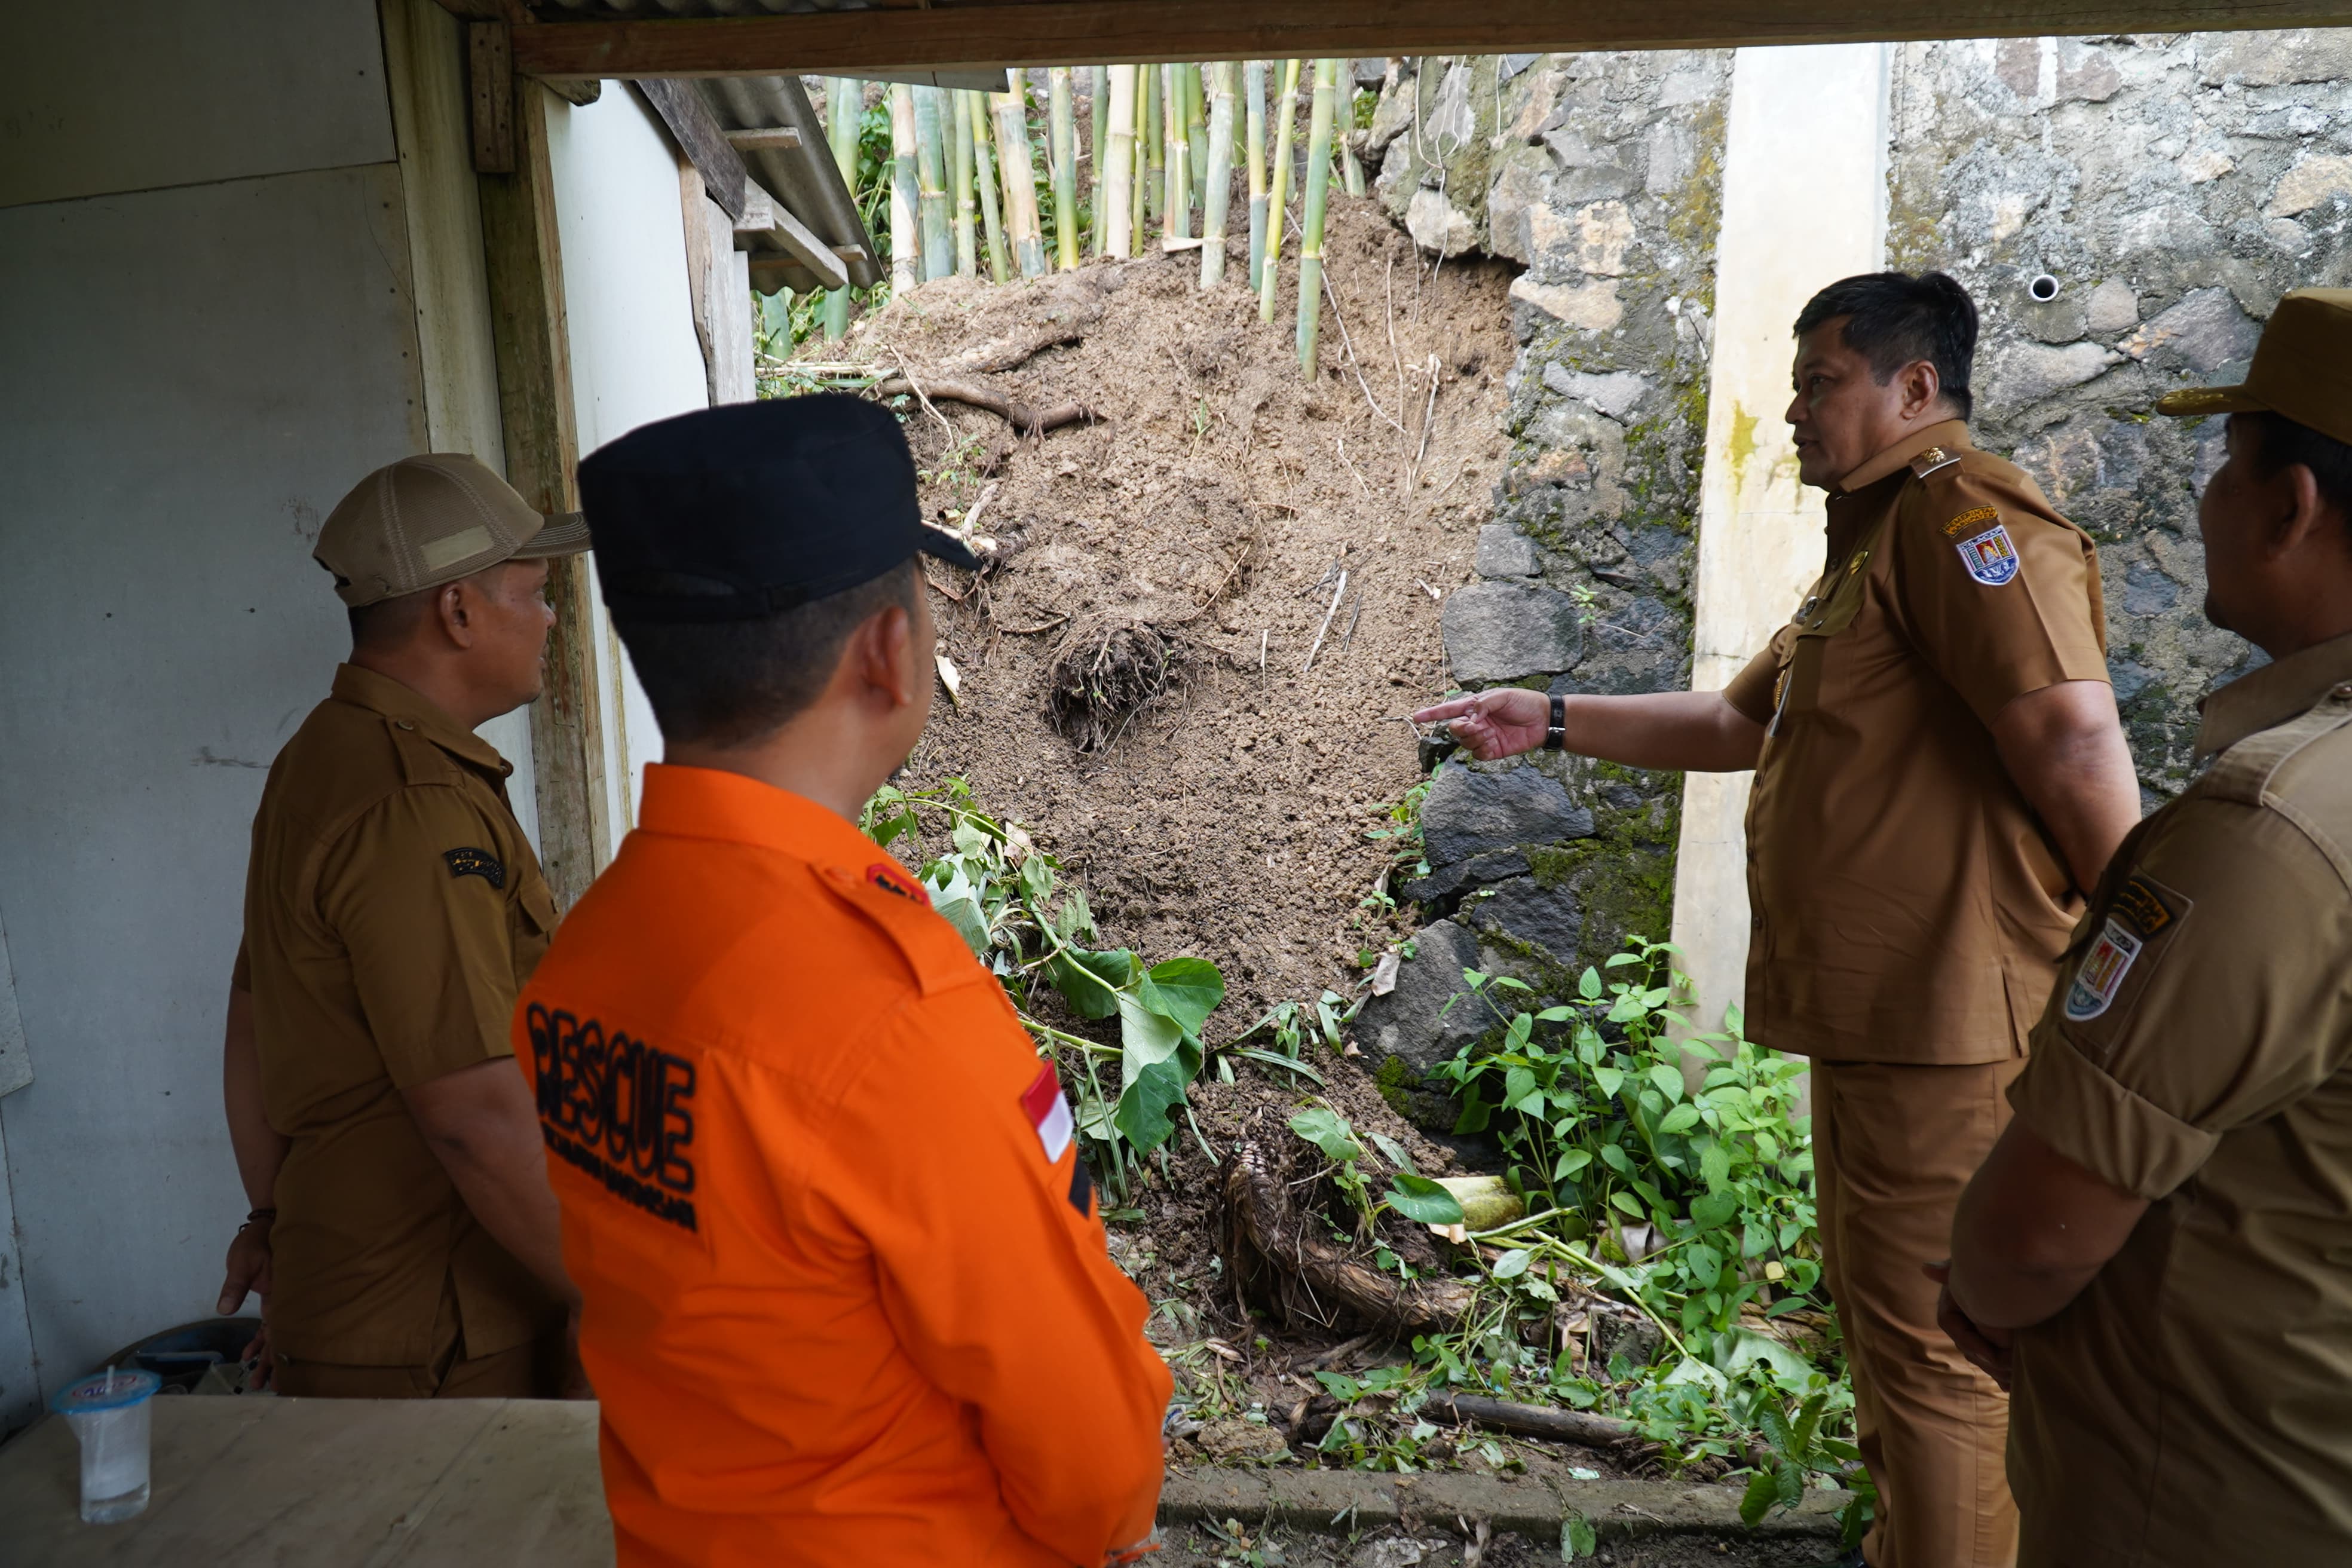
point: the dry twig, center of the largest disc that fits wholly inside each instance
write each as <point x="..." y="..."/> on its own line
<point x="1337" y="593"/>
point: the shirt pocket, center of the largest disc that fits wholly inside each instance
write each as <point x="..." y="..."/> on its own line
<point x="1816" y="628"/>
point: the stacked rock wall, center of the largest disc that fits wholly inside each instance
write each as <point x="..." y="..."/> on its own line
<point x="2172" y="187"/>
<point x="1602" y="173"/>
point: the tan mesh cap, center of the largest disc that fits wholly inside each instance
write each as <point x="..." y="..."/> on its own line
<point x="2302" y="369"/>
<point x="433" y="519"/>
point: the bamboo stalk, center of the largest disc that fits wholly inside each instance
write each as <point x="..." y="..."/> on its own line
<point x="1097" y="144"/>
<point x="1017" y="168"/>
<point x="1254" y="92"/>
<point x="906" y="246"/>
<point x="1351" y="167"/>
<point x="843" y="100"/>
<point x="975" y="105"/>
<point x="1319" y="190"/>
<point x="967" y="242"/>
<point x="1176" y="196"/>
<point x="1140" y="182"/>
<point x="1217" y="176"/>
<point x="1285" y="117"/>
<point x="1196" y="130"/>
<point x="1063" y="130"/>
<point x="931" y="167"/>
<point x="1115" y="170"/>
<point x="1155" y="143"/>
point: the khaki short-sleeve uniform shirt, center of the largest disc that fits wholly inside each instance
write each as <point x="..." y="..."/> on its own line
<point x="2194" y="1403"/>
<point x="1907" y="904"/>
<point x="393" y="910"/>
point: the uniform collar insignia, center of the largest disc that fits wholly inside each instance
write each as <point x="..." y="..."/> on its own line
<point x="1950" y="437"/>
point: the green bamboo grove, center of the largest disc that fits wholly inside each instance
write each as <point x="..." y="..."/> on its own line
<point x="975" y="178"/>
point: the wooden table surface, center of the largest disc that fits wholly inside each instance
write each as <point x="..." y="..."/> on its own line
<point x="337" y="1483"/>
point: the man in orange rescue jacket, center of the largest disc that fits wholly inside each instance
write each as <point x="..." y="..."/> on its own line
<point x="846" y="1297"/>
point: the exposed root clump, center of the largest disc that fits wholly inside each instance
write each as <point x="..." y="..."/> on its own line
<point x="1281" y="1248"/>
<point x="1106" y="671"/>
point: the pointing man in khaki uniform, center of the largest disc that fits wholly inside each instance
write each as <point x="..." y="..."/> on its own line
<point x="1938" y="769"/>
<point x="402" y="1234"/>
<point x="2164" y="1228"/>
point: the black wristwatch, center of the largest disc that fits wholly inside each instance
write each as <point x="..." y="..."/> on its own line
<point x="1556" y="735"/>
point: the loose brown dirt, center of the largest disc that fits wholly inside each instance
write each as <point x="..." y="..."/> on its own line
<point x="1134" y="679"/>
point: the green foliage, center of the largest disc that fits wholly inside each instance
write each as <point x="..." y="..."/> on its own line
<point x="1800" y="1448"/>
<point x="1005" y="898"/>
<point x="1707" y="1191"/>
<point x="1414" y="1197"/>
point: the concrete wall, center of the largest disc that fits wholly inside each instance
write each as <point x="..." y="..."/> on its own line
<point x="635" y="355"/>
<point x="208" y="337"/>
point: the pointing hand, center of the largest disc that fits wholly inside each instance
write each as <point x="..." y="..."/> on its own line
<point x="1499" y="723"/>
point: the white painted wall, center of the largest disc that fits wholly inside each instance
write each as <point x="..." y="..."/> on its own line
<point x="635" y="355"/>
<point x="1805" y="148"/>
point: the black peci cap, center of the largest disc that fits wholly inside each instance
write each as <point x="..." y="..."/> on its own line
<point x="736" y="513"/>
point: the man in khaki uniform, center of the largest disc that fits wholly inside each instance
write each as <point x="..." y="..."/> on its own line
<point x="2164" y="1228"/>
<point x="402" y="1234"/>
<point x="1938" y="769"/>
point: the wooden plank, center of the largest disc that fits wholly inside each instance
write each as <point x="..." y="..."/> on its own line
<point x="690" y="120"/>
<point x="1102" y="32"/>
<point x="780" y="138"/>
<point x="489" y="83"/>
<point x="763" y="214"/>
<point x="532" y="337"/>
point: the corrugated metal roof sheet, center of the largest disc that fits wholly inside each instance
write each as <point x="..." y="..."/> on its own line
<point x="802" y="180"/>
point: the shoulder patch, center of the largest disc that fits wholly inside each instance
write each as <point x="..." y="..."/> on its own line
<point x="1991" y="556"/>
<point x="477" y="863"/>
<point x="1933" y="459"/>
<point x="891" y="900"/>
<point x="1976" y="517"/>
<point x="2101" y="974"/>
<point x="889" y="876"/>
<point x="2140" y="914"/>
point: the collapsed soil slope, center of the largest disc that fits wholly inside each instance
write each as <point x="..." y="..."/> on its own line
<point x="1186" y="545"/>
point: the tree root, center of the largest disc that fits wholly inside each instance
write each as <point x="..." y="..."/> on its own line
<point x="1105" y="672"/>
<point x="1027" y="420"/>
<point x="1282" y="1251"/>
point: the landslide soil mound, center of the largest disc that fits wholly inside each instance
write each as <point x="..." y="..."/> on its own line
<point x="1134" y="683"/>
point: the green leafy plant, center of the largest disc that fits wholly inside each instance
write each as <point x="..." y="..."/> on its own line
<point x="1700" y="1196"/>
<point x="1799" y="1449"/>
<point x="1410" y="1194"/>
<point x="1006" y="898"/>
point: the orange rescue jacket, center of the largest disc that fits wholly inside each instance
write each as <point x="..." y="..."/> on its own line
<point x="848" y="1300"/>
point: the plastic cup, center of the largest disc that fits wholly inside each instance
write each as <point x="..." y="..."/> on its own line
<point x="109" y="1413"/>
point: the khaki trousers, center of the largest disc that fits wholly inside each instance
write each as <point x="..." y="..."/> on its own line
<point x="534" y="1370"/>
<point x="1893" y="1147"/>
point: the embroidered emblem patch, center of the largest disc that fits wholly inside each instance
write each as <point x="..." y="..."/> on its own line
<point x="476" y="863"/>
<point x="2139" y="901"/>
<point x="1975" y="517"/>
<point x="1990" y="557"/>
<point x="890" y="879"/>
<point x="2101" y="973"/>
<point x="1048" y="1114"/>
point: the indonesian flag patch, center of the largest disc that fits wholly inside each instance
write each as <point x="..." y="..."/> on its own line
<point x="1048" y="1112"/>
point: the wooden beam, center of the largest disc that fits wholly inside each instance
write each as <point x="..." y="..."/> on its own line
<point x="763" y="214"/>
<point x="531" y="335"/>
<point x="689" y="119"/>
<point x="490" y="84"/>
<point x="768" y="138"/>
<point x="1102" y="32"/>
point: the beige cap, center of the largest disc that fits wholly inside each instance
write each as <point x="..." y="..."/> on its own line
<point x="2302" y="369"/>
<point x="433" y="519"/>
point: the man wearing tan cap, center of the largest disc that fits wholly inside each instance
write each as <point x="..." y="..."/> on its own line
<point x="403" y="1236"/>
<point x="2155" y="1252"/>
